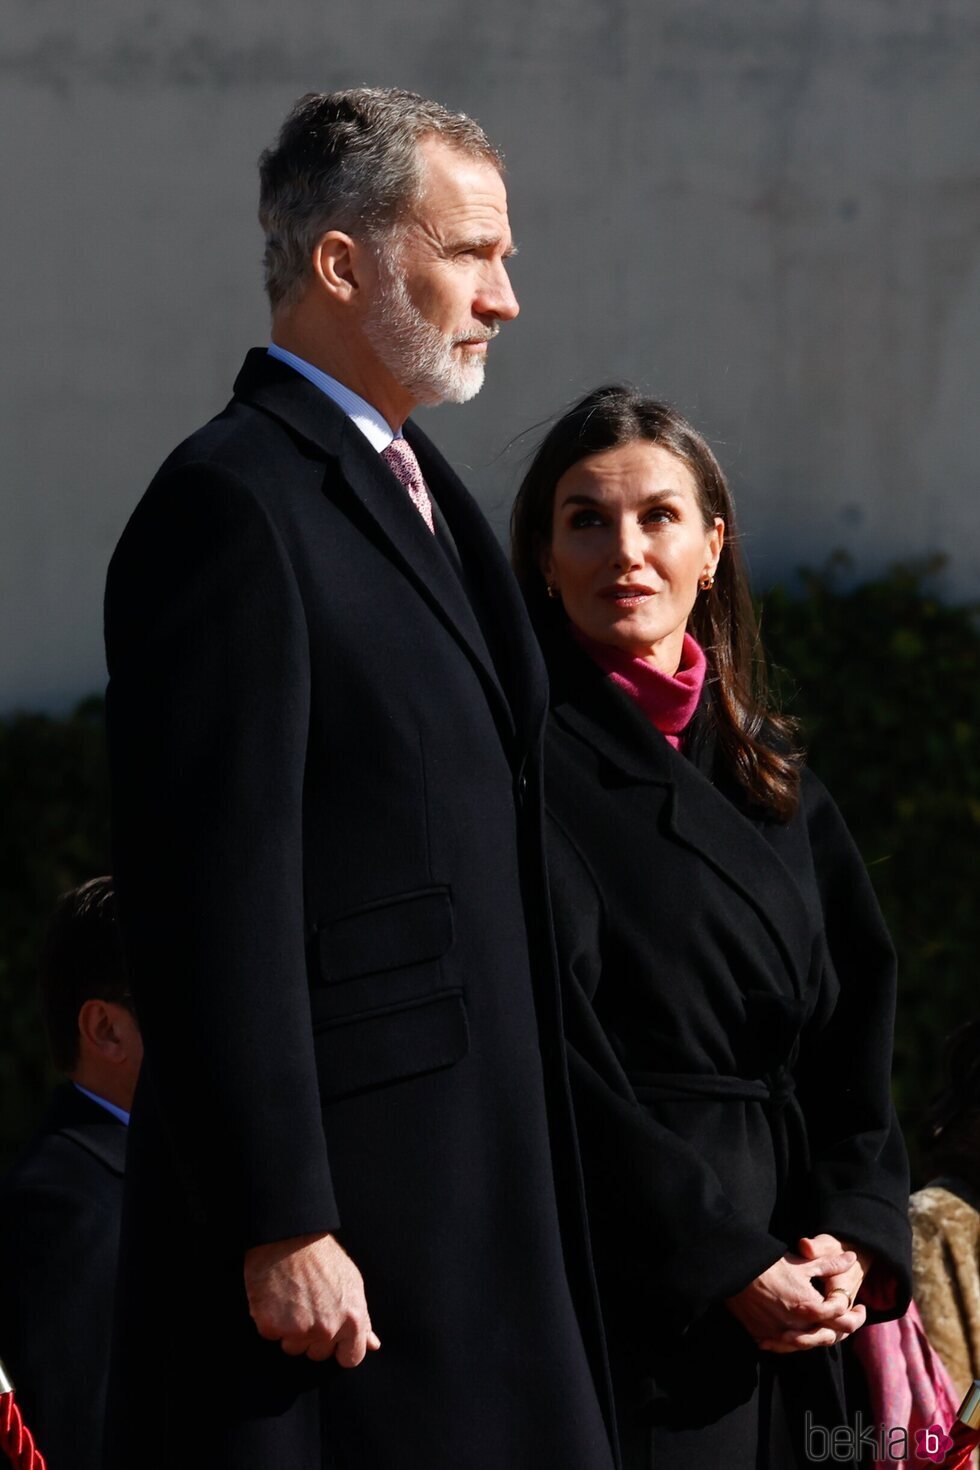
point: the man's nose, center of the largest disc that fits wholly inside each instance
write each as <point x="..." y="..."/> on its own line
<point x="497" y="297"/>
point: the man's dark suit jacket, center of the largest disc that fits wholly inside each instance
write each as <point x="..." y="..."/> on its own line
<point x="60" y="1207"/>
<point x="327" y="844"/>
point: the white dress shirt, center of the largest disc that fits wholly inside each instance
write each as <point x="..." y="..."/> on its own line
<point x="376" y="430"/>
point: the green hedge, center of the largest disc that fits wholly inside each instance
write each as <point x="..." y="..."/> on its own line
<point x="54" y="835"/>
<point x="885" y="678"/>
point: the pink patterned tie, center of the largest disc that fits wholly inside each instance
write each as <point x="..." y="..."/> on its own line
<point x="400" y="459"/>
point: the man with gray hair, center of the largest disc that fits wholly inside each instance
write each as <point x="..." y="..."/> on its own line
<point x="354" y="1221"/>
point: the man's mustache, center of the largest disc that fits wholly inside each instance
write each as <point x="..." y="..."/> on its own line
<point x="478" y="334"/>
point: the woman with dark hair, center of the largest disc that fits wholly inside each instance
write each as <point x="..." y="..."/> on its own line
<point x="729" y="983"/>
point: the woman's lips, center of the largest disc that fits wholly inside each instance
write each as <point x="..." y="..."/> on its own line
<point x="628" y="595"/>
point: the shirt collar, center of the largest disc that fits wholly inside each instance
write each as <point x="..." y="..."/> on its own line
<point x="104" y="1103"/>
<point x="375" y="429"/>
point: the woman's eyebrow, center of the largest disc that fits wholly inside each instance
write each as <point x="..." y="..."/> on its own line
<point x="668" y="493"/>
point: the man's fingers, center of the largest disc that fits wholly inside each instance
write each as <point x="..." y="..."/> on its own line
<point x="307" y="1294"/>
<point x="352" y="1342"/>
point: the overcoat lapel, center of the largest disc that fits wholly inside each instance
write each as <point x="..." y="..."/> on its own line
<point x="698" y="814"/>
<point x="279" y="390"/>
<point x="514" y="647"/>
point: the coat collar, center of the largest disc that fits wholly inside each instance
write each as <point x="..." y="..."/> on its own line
<point x="699" y="813"/>
<point x="515" y="650"/>
<point x="91" y="1127"/>
<point x="278" y="390"/>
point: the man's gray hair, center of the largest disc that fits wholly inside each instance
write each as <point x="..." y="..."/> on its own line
<point x="348" y="161"/>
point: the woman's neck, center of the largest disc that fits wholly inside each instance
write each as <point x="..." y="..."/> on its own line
<point x="669" y="700"/>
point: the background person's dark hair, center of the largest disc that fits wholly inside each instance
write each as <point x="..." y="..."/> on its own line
<point x="81" y="960"/>
<point x="348" y="161"/>
<point x="754" y="742"/>
<point x="951" y="1136"/>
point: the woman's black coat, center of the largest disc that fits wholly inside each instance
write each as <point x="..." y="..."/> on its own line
<point x="729" y="1007"/>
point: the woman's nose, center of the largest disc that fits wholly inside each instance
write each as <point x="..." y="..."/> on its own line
<point x="628" y="548"/>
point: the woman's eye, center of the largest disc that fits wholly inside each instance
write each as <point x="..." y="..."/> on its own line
<point x="660" y="515"/>
<point x="583" y="518"/>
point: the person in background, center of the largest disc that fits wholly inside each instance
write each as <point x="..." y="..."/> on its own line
<point x="729" y="983"/>
<point x="945" y="1214"/>
<point x="60" y="1203"/>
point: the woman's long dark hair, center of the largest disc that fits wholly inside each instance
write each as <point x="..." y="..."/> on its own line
<point x="755" y="744"/>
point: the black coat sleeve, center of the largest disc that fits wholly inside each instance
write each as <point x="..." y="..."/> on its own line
<point x="668" y="1241"/>
<point x="859" y="1168"/>
<point x="207" y="720"/>
<point x="59" y="1239"/>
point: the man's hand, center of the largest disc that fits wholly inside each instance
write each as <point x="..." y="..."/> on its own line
<point x="307" y="1295"/>
<point x="785" y="1313"/>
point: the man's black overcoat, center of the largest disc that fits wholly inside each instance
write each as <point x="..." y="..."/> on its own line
<point x="327" y="845"/>
<point x="730" y="1002"/>
<point x="60" y="1207"/>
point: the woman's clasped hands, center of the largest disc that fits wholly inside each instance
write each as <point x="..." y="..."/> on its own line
<point x="804" y="1300"/>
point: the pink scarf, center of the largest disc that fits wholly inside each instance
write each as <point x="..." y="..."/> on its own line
<point x="908" y="1385"/>
<point x="667" y="700"/>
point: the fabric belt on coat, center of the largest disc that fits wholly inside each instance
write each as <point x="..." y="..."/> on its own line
<point x="775" y="1091"/>
<point x="776" y="1088"/>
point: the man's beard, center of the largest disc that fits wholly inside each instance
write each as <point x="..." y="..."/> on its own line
<point x="421" y="358"/>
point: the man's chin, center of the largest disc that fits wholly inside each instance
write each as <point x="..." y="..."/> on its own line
<point x="466" y="391"/>
<point x="467" y="384"/>
<point x="460" y="388"/>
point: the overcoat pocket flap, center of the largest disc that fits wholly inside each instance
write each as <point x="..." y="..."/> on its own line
<point x="376" y="1047"/>
<point x="389" y="934"/>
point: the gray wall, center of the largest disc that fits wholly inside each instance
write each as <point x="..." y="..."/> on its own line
<point x="765" y="210"/>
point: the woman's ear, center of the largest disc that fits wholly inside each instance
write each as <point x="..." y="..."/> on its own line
<point x="715" y="542"/>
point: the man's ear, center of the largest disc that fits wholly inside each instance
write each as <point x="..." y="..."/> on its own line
<point x="97" y="1027"/>
<point x="336" y="265"/>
